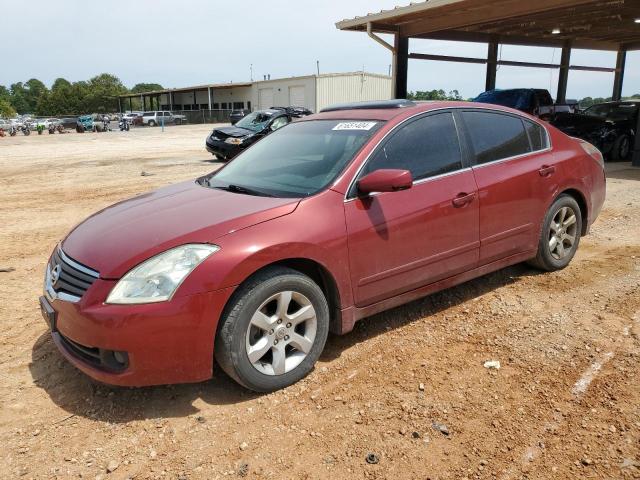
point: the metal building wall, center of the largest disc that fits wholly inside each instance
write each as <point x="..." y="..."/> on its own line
<point x="280" y="91"/>
<point x="351" y="87"/>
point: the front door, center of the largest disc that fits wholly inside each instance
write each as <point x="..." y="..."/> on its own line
<point x="400" y="241"/>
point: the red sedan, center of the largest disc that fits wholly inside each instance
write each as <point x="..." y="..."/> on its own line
<point x="331" y="219"/>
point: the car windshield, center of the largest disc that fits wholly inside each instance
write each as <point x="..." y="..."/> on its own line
<point x="519" y="99"/>
<point x="255" y="121"/>
<point x="297" y="161"/>
<point x="613" y="111"/>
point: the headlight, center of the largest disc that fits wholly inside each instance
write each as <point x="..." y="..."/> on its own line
<point x="157" y="279"/>
<point x="234" y="141"/>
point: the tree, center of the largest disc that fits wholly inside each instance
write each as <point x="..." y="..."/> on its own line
<point x="6" y="110"/>
<point x="146" y="87"/>
<point x="5" y="94"/>
<point x="434" y="95"/>
<point x="102" y="93"/>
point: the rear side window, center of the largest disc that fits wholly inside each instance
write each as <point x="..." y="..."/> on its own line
<point x="537" y="136"/>
<point x="426" y="147"/>
<point x="495" y="136"/>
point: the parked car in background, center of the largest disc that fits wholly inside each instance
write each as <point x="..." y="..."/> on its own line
<point x="237" y="115"/>
<point x="334" y="218"/>
<point x="133" y="118"/>
<point x="5" y="125"/>
<point x="47" y="122"/>
<point x="226" y="142"/>
<point x="534" y="101"/>
<point x="85" y="124"/>
<point x="153" y="119"/>
<point x="610" y="126"/>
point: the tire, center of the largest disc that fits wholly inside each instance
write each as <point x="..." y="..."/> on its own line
<point x="621" y="148"/>
<point x="220" y="157"/>
<point x="553" y="255"/>
<point x="178" y="122"/>
<point x="274" y="367"/>
<point x="152" y="123"/>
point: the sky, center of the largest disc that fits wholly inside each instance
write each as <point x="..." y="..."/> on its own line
<point x="191" y="42"/>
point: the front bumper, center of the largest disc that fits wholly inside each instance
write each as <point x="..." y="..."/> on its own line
<point x="218" y="147"/>
<point x="163" y="343"/>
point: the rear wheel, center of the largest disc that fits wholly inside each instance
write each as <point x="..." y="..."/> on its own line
<point x="560" y="235"/>
<point x="621" y="148"/>
<point x="273" y="331"/>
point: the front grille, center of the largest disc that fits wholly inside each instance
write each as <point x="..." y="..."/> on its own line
<point x="108" y="360"/>
<point x="69" y="278"/>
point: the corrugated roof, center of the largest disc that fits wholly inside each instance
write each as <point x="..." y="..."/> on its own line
<point x="599" y="24"/>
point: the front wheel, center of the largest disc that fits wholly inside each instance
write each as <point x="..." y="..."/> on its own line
<point x="621" y="148"/>
<point x="560" y="235"/>
<point x="152" y="123"/>
<point x="273" y="331"/>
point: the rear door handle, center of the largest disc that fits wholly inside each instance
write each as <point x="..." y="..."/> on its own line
<point x="547" y="170"/>
<point x="463" y="199"/>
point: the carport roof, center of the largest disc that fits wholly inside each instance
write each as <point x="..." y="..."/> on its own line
<point x="592" y="24"/>
<point x="188" y="89"/>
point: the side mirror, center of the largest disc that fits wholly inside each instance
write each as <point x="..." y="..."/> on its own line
<point x="385" y="180"/>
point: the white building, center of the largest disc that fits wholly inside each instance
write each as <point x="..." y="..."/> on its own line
<point x="314" y="92"/>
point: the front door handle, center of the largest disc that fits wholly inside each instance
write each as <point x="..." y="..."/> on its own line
<point x="547" y="170"/>
<point x="463" y="199"/>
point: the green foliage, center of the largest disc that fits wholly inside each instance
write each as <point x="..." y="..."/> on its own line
<point x="97" y="95"/>
<point x="146" y="87"/>
<point x="434" y="95"/>
<point x="6" y="110"/>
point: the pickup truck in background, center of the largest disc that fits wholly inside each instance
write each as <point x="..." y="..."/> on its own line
<point x="534" y="101"/>
<point x="153" y="119"/>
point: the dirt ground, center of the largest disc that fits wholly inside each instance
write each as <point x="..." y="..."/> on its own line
<point x="407" y="386"/>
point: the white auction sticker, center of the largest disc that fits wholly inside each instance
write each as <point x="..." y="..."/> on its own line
<point x="355" y="126"/>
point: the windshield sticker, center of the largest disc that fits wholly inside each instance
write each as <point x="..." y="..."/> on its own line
<point x="355" y="126"/>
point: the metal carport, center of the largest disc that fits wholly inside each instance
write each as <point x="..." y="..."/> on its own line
<point x="612" y="25"/>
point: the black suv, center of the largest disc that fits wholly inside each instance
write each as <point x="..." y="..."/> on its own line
<point x="226" y="142"/>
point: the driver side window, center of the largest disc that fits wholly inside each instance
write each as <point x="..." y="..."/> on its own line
<point x="427" y="147"/>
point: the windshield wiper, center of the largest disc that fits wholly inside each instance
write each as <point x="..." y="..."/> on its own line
<point x="243" y="190"/>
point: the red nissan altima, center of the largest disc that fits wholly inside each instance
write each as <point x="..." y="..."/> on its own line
<point x="331" y="219"/>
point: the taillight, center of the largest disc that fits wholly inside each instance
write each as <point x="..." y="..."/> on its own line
<point x="592" y="151"/>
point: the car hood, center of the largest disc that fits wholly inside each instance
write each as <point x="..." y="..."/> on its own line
<point x="236" y="132"/>
<point x="121" y="236"/>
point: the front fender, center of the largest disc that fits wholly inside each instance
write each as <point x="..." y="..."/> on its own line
<point x="315" y="231"/>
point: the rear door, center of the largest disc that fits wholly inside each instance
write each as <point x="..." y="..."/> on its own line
<point x="400" y="241"/>
<point x="515" y="173"/>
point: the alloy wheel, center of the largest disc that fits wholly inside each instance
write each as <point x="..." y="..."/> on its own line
<point x="281" y="333"/>
<point x="563" y="233"/>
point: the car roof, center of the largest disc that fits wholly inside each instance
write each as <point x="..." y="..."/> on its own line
<point x="387" y="114"/>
